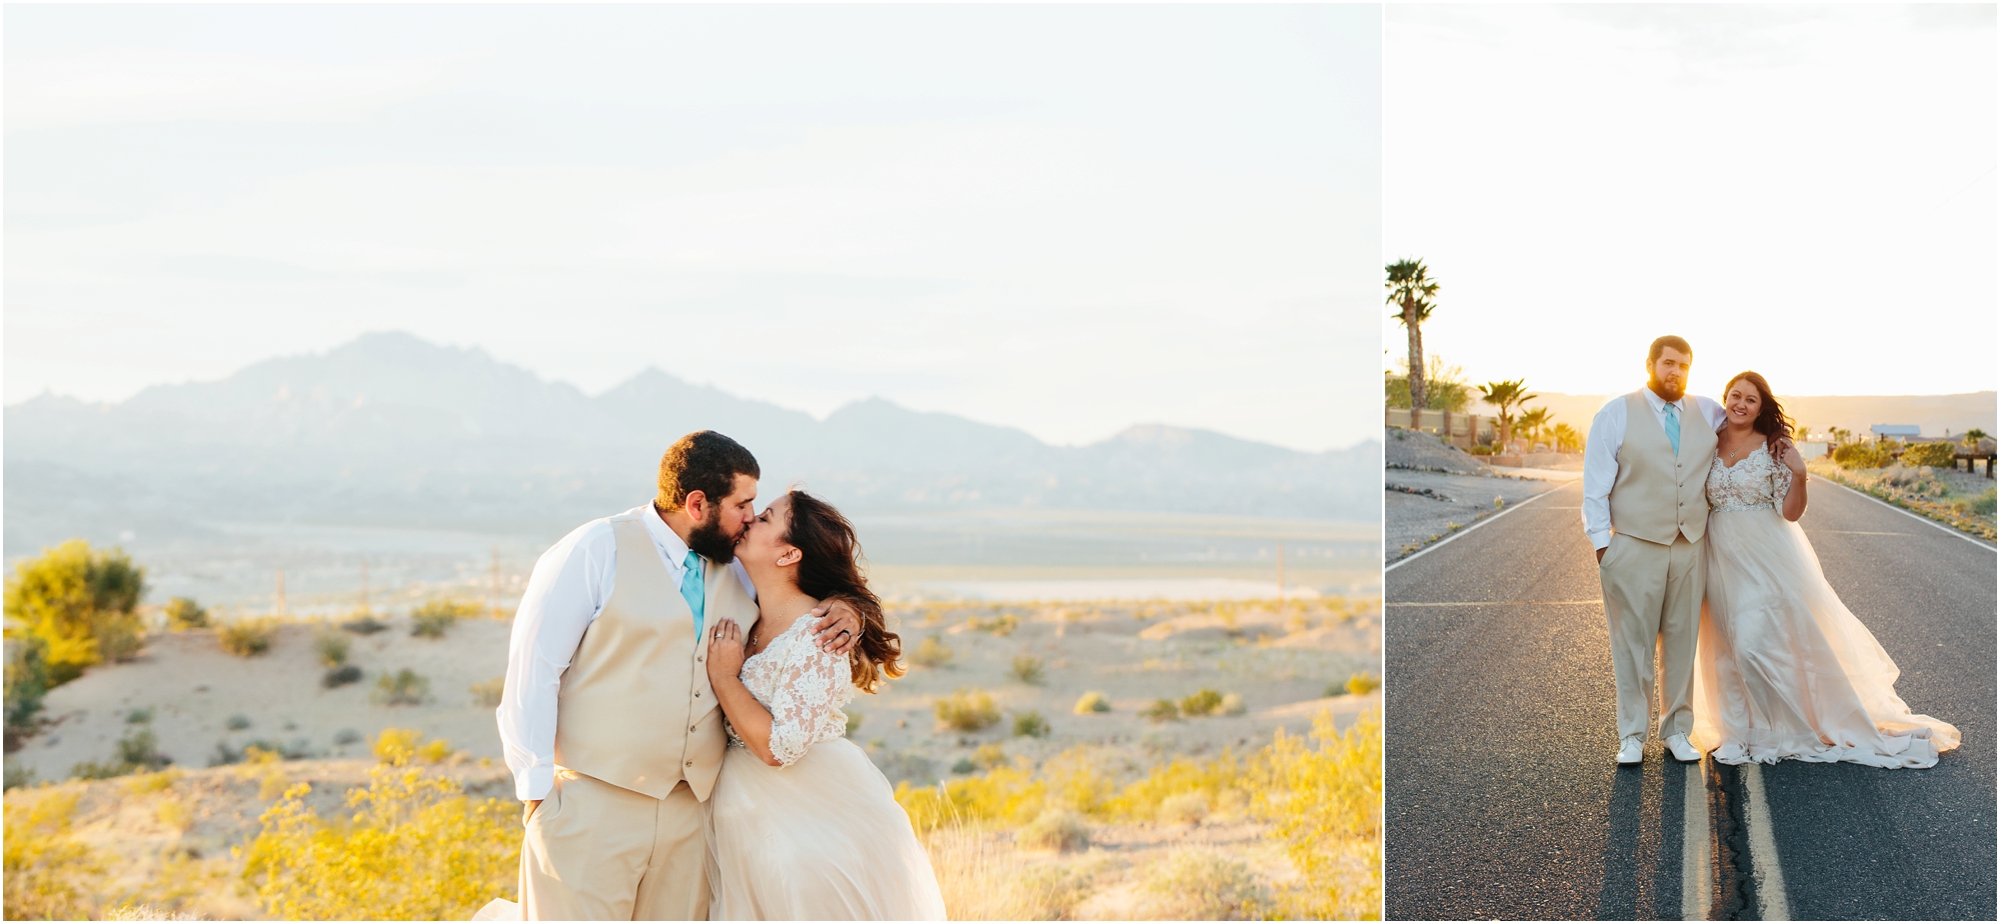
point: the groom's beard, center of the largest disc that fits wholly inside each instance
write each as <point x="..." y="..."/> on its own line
<point x="1669" y="392"/>
<point x="708" y="540"/>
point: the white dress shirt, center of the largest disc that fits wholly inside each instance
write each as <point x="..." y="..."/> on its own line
<point x="570" y="585"/>
<point x="1607" y="437"/>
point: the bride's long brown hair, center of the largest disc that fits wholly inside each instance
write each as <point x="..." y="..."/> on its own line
<point x="828" y="568"/>
<point x="1771" y="419"/>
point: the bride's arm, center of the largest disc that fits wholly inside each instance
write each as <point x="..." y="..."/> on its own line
<point x="809" y="683"/>
<point x="1793" y="470"/>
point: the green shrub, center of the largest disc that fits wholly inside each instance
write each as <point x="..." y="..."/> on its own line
<point x="340" y="676"/>
<point x="183" y="613"/>
<point x="1363" y="684"/>
<point x="1202" y="702"/>
<point x="1184" y="808"/>
<point x="435" y="618"/>
<point x="964" y="765"/>
<point x="1202" y="884"/>
<point x="1055" y="829"/>
<point x="1937" y="455"/>
<point x="139" y="716"/>
<point x="1030" y="725"/>
<point x="487" y="692"/>
<point x="82" y="603"/>
<point x="345" y="737"/>
<point x="237" y="722"/>
<point x="364" y="624"/>
<point x="403" y="688"/>
<point x="1027" y="669"/>
<point x="247" y="637"/>
<point x="931" y="653"/>
<point x="331" y="648"/>
<point x="1162" y="710"/>
<point x="1093" y="701"/>
<point x="1002" y="625"/>
<point x="988" y="756"/>
<point x="137" y="752"/>
<point x="27" y="684"/>
<point x="1861" y="455"/>
<point x="967" y="710"/>
<point x="1978" y="505"/>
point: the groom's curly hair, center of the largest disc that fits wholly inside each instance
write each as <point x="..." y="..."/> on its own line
<point x="704" y="461"/>
<point x="1771" y="419"/>
<point x="830" y="567"/>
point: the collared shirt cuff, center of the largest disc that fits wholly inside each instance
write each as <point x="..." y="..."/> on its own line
<point x="1600" y="540"/>
<point x="534" y="783"/>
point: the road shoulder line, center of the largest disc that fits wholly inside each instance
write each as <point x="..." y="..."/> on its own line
<point x="1448" y="539"/>
<point x="1772" y="905"/>
<point x="1914" y="516"/>
<point x="1697" y="853"/>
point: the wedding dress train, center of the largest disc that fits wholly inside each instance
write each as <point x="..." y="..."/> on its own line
<point x="1783" y="669"/>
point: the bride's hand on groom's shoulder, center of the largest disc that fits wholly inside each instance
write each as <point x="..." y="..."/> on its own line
<point x="725" y="649"/>
<point x="838" y="628"/>
<point x="1788" y="456"/>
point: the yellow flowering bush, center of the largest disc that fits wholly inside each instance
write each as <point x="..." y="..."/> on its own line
<point x="44" y="864"/>
<point x="417" y="848"/>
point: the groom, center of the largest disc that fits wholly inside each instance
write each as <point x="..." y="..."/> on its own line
<point x="607" y="719"/>
<point x="1645" y="508"/>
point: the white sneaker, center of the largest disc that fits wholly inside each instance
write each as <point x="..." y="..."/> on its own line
<point x="1682" y="750"/>
<point x="1632" y="750"/>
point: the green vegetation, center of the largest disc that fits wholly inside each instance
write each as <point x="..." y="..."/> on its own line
<point x="340" y="676"/>
<point x="247" y="638"/>
<point x="27" y="683"/>
<point x="1414" y="294"/>
<point x="1161" y="710"/>
<point x="1093" y="701"/>
<point x="331" y="648"/>
<point x="1937" y="454"/>
<point x="1002" y="625"/>
<point x="967" y="710"/>
<point x="364" y="624"/>
<point x="1031" y="725"/>
<point x="1027" y="669"/>
<point x="1055" y="829"/>
<point x="183" y="613"/>
<point x="137" y="752"/>
<point x="486" y="694"/>
<point x="403" y="688"/>
<point x="1201" y="702"/>
<point x="436" y="617"/>
<point x="80" y="603"/>
<point x="1505" y="397"/>
<point x="931" y="653"/>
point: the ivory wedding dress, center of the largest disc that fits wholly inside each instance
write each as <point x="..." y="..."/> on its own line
<point x="1783" y="669"/>
<point x="821" y="837"/>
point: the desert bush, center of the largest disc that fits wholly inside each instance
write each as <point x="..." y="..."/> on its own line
<point x="183" y="613"/>
<point x="1201" y="702"/>
<point x="1323" y="800"/>
<point x="1185" y="808"/>
<point x="345" y="737"/>
<point x="967" y="710"/>
<point x="1861" y="455"/>
<point x="403" y="688"/>
<point x="1937" y="454"/>
<point x="153" y="782"/>
<point x="1002" y="625"/>
<point x="18" y="776"/>
<point x="1031" y="725"/>
<point x="139" y="716"/>
<point x="1027" y="669"/>
<point x="81" y="603"/>
<point x="28" y="684"/>
<point x="963" y="765"/>
<point x="44" y="862"/>
<point x="400" y="746"/>
<point x="417" y="849"/>
<point x="986" y="878"/>
<point x="1055" y="829"/>
<point x="988" y="756"/>
<point x="1093" y="701"/>
<point x="1201" y="884"/>
<point x="1363" y="684"/>
<point x="364" y="624"/>
<point x="340" y="676"/>
<point x="237" y="722"/>
<point x="247" y="637"/>
<point x="1161" y="710"/>
<point x="175" y="814"/>
<point x="931" y="653"/>
<point x="487" y="692"/>
<point x="1232" y="704"/>
<point x="137" y="752"/>
<point x="1921" y="482"/>
<point x="436" y="617"/>
<point x="1981" y="504"/>
<point x="331" y="647"/>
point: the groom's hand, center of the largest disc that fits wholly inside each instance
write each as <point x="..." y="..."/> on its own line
<point x="840" y="628"/>
<point x="1600" y="556"/>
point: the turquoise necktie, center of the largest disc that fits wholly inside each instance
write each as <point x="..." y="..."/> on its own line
<point x="691" y="589"/>
<point x="1673" y="436"/>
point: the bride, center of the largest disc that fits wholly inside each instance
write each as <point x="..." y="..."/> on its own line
<point x="802" y="824"/>
<point x="1783" y="670"/>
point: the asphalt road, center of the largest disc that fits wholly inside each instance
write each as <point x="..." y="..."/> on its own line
<point x="1503" y="800"/>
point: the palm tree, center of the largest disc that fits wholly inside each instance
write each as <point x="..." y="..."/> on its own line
<point x="1566" y="438"/>
<point x="1533" y="422"/>
<point x="1414" y="295"/>
<point x="1505" y="397"/>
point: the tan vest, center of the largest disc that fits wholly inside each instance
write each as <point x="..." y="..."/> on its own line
<point x="1657" y="494"/>
<point x="635" y="709"/>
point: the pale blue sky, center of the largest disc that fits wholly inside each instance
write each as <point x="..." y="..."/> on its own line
<point x="1067" y="219"/>
<point x="1807" y="191"/>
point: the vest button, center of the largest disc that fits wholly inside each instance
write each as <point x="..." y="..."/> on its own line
<point x="690" y="763"/>
<point x="694" y="728"/>
<point x="697" y="694"/>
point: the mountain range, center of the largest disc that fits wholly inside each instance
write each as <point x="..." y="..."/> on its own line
<point x="390" y="430"/>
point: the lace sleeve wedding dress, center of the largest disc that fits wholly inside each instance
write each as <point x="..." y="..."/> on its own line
<point x="1783" y="669"/>
<point x="821" y="837"/>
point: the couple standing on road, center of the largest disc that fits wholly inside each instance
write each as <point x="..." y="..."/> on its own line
<point x="1692" y="507"/>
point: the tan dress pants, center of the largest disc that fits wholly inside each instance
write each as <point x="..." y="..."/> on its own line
<point x="598" y="852"/>
<point x="1652" y="600"/>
